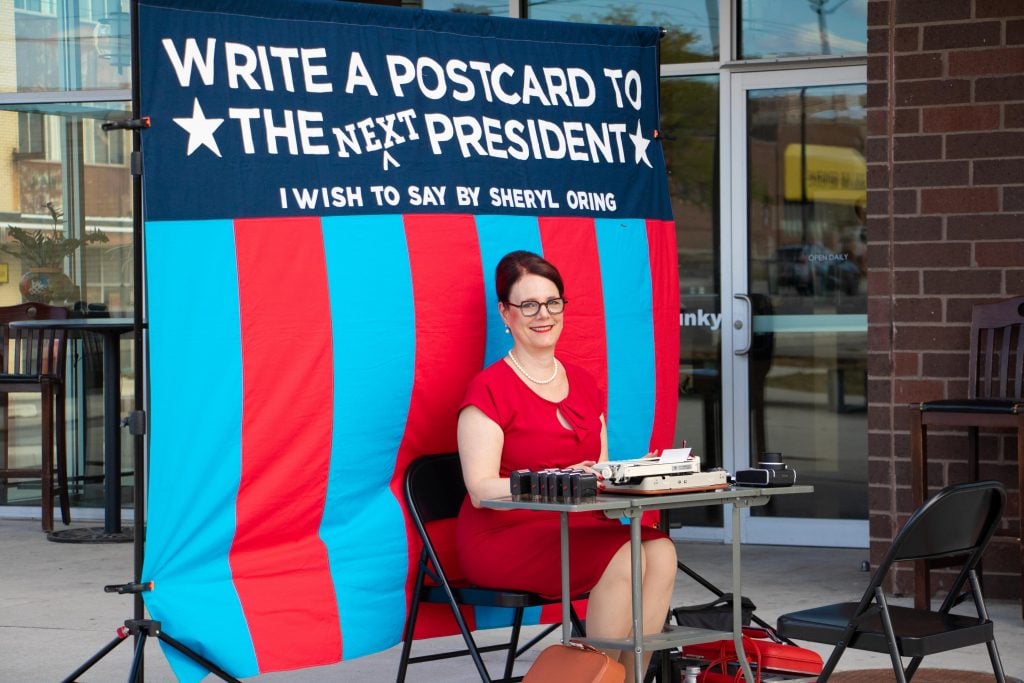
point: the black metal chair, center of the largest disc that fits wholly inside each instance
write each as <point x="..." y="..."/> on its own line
<point x="957" y="522"/>
<point x="434" y="491"/>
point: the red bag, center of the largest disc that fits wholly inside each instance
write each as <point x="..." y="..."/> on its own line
<point x="764" y="652"/>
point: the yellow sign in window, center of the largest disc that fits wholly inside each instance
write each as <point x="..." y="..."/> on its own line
<point x="836" y="175"/>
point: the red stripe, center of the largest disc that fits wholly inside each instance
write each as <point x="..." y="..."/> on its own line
<point x="279" y="564"/>
<point x="447" y="285"/>
<point x="661" y="241"/>
<point x="571" y="244"/>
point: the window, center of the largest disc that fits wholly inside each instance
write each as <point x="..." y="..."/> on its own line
<point x="691" y="26"/>
<point x="793" y="28"/>
<point x="31" y="140"/>
<point x="52" y="45"/>
<point x="41" y="6"/>
<point x="106" y="148"/>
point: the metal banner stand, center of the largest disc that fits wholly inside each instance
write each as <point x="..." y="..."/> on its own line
<point x="139" y="627"/>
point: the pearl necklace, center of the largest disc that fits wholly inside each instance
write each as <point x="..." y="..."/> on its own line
<point x="519" y="367"/>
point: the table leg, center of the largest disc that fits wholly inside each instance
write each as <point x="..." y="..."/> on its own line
<point x="566" y="597"/>
<point x="112" y="531"/>
<point x="737" y="597"/>
<point x="111" y="435"/>
<point x="636" y="583"/>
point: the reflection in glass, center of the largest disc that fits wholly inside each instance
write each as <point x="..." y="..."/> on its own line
<point x="691" y="26"/>
<point x="808" y="286"/>
<point x="60" y="45"/>
<point x="808" y="190"/>
<point x="793" y="28"/>
<point x="489" y="8"/>
<point x="689" y="121"/>
<point x="69" y="180"/>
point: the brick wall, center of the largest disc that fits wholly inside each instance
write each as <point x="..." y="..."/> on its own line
<point x="945" y="155"/>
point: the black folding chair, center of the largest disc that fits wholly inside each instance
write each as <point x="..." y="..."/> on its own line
<point x="434" y="491"/>
<point x="957" y="522"/>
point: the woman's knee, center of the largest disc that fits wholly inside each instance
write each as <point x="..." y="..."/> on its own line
<point x="660" y="557"/>
<point x="618" y="568"/>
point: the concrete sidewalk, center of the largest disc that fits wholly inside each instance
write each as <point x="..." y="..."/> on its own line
<point x="54" y="614"/>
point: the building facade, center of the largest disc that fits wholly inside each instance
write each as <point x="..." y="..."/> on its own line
<point x="845" y="176"/>
<point x="945" y="153"/>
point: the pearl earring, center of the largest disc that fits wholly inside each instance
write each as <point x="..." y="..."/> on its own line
<point x="507" y="331"/>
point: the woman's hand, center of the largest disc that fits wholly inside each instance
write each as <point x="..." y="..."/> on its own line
<point x="586" y="466"/>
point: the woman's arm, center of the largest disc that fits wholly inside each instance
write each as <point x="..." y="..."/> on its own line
<point x="604" y="441"/>
<point x="480" y="444"/>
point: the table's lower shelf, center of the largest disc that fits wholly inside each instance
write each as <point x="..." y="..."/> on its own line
<point x="671" y="637"/>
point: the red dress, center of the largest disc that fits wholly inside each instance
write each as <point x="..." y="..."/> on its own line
<point x="519" y="549"/>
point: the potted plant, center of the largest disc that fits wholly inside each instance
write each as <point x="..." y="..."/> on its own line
<point x="42" y="254"/>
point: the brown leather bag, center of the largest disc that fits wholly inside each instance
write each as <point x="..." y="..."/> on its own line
<point x="574" y="663"/>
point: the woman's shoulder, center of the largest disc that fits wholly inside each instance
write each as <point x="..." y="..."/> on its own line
<point x="494" y="376"/>
<point x="498" y="371"/>
<point x="581" y="381"/>
<point x="488" y="390"/>
<point x="577" y="372"/>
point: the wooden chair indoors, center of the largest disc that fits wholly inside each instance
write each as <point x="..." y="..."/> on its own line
<point x="33" y="362"/>
<point x="994" y="401"/>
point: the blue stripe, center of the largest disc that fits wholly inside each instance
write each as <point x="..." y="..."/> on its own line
<point x="374" y="354"/>
<point x="195" y="346"/>
<point x="498" y="236"/>
<point x="629" y="322"/>
<point x="497" y="617"/>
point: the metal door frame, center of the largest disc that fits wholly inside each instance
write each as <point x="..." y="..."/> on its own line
<point x="736" y="314"/>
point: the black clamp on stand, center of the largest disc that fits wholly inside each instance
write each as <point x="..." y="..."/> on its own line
<point x="142" y="629"/>
<point x="127" y="124"/>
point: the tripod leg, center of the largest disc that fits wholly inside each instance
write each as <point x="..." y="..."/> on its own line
<point x="96" y="657"/>
<point x="140" y="647"/>
<point x="196" y="657"/>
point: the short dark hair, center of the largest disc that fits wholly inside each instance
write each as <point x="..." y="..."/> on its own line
<point x="515" y="265"/>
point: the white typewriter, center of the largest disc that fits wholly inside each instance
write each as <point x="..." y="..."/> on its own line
<point x="677" y="470"/>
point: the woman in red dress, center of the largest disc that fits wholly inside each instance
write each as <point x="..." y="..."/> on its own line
<point x="533" y="411"/>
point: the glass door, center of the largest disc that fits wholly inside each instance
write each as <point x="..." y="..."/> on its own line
<point x="797" y="335"/>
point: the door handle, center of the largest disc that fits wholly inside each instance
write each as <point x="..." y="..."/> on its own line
<point x="739" y="324"/>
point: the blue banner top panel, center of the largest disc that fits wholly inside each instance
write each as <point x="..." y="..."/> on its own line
<point x="263" y="109"/>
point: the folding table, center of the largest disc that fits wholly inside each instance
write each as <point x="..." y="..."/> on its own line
<point x="632" y="508"/>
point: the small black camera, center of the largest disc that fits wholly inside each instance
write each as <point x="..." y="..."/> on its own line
<point x="519" y="483"/>
<point x="583" y="487"/>
<point x="553" y="486"/>
<point x="770" y="471"/>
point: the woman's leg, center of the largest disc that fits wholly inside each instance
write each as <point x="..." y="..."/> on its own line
<point x="610" y="607"/>
<point x="659" y="579"/>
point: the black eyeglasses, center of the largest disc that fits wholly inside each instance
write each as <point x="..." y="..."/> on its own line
<point x="531" y="308"/>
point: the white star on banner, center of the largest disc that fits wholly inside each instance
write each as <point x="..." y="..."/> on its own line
<point x="640" y="144"/>
<point x="200" y="130"/>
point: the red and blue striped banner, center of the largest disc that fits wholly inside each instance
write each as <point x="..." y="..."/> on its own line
<point x="299" y="359"/>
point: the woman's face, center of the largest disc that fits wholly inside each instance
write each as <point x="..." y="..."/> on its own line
<point x="542" y="330"/>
